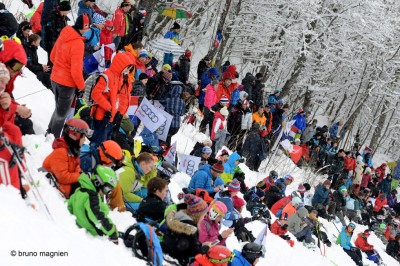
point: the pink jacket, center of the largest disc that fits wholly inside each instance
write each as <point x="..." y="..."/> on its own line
<point x="211" y="96"/>
<point x="365" y="179"/>
<point x="209" y="231"/>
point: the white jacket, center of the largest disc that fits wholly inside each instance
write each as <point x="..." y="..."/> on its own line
<point x="246" y="121"/>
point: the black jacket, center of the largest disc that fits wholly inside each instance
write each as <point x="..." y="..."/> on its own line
<point x="277" y="118"/>
<point x="340" y="201"/>
<point x="184" y="68"/>
<point x="258" y="95"/>
<point x="336" y="165"/>
<point x="8" y="23"/>
<point x="32" y="58"/>
<point x="393" y="248"/>
<point x="248" y="83"/>
<point x="272" y="196"/>
<point x="253" y="146"/>
<point x="138" y="89"/>
<point x="152" y="207"/>
<point x="157" y="87"/>
<point x="56" y="22"/>
<point x="201" y="68"/>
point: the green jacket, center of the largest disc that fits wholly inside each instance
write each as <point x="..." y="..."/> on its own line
<point x="228" y="177"/>
<point x="132" y="180"/>
<point x="90" y="211"/>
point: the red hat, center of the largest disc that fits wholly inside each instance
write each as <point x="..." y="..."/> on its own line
<point x="327" y="182"/>
<point x="366" y="233"/>
<point x="188" y="53"/>
<point x="238" y="202"/>
<point x="218" y="167"/>
<point x="301" y="189"/>
<point x="234" y="186"/>
<point x="227" y="75"/>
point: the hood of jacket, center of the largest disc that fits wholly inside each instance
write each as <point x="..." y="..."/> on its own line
<point x="233" y="158"/>
<point x="69" y="34"/>
<point x="13" y="50"/>
<point x="130" y="49"/>
<point x="249" y="78"/>
<point x="302" y="212"/>
<point x="85" y="182"/>
<point x="206" y="168"/>
<point x="181" y="223"/>
<point x="59" y="143"/>
<point x="119" y="63"/>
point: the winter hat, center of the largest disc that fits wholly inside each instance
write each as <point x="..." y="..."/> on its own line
<point x="243" y="95"/>
<point x="234" y="186"/>
<point x="143" y="76"/>
<point x="352" y="225"/>
<point x="218" y="167"/>
<point x="367" y="233"/>
<point x="206" y="150"/>
<point x="259" y="76"/>
<point x="327" y="183"/>
<point x="301" y="110"/>
<point x="195" y="204"/>
<point x="188" y="53"/>
<point x="277" y="91"/>
<point x="224" y="152"/>
<point x="368" y="170"/>
<point x="82" y="22"/>
<point x="224" y="99"/>
<point x="4" y="72"/>
<point x="286" y="105"/>
<point x="98" y="19"/>
<point x="176" y="26"/>
<point x="296" y="201"/>
<point x="143" y="11"/>
<point x="261" y="185"/>
<point x="144" y="53"/>
<point x="238" y="202"/>
<point x="224" y="111"/>
<point x="367" y="150"/>
<point x="301" y="189"/>
<point x="228" y="75"/>
<point x="64" y="6"/>
<point x="127" y="125"/>
<point x="167" y="67"/>
<point x="260" y="193"/>
<point x="307" y="186"/>
<point x="342" y="188"/>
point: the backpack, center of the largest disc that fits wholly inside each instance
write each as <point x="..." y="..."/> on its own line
<point x="145" y="244"/>
<point x="90" y="82"/>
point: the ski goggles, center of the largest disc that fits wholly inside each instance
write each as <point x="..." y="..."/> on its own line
<point x="228" y="259"/>
<point x="88" y="132"/>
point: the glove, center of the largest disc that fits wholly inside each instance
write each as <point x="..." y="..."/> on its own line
<point x="286" y="237"/>
<point x="114" y="238"/>
<point x="117" y="120"/>
<point x="285" y="226"/>
<point x="353" y="249"/>
<point x="107" y="114"/>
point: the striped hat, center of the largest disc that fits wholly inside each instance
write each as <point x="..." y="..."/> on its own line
<point x="224" y="99"/>
<point x="206" y="150"/>
<point x="234" y="186"/>
<point x="218" y="167"/>
<point x="195" y="204"/>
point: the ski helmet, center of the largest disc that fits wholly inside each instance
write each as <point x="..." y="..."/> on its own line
<point x="75" y="127"/>
<point x="352" y="225"/>
<point x="110" y="153"/>
<point x="273" y="174"/>
<point x="166" y="170"/>
<point x="252" y="251"/>
<point x="288" y="177"/>
<point x="220" y="255"/>
<point x="104" y="178"/>
<point x="218" y="208"/>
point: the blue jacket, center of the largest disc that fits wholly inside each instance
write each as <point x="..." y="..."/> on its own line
<point x="300" y="122"/>
<point x="151" y="139"/>
<point x="235" y="97"/>
<point x="321" y="196"/>
<point x="174" y="104"/>
<point x="238" y="260"/>
<point x="345" y="239"/>
<point x="282" y="181"/>
<point x="84" y="9"/>
<point x="92" y="36"/>
<point x="272" y="101"/>
<point x="172" y="35"/>
<point x="333" y="131"/>
<point x="202" y="179"/>
<point x="230" y="164"/>
<point x="396" y="172"/>
<point x="386" y="186"/>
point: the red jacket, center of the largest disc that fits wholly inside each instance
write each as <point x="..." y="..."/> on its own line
<point x="277" y="229"/>
<point x="10" y="176"/>
<point x="362" y="243"/>
<point x="107" y="38"/>
<point x="67" y="58"/>
<point x="268" y="181"/>
<point x="365" y="179"/>
<point x="63" y="165"/>
<point x="280" y="204"/>
<point x="110" y="100"/>
<point x="349" y="163"/>
<point x="380" y="173"/>
<point x="35" y="19"/>
<point x="388" y="235"/>
<point x="225" y="91"/>
<point x="379" y="203"/>
<point x="119" y="21"/>
<point x="217" y="116"/>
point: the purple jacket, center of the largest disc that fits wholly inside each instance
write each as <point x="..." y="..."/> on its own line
<point x="391" y="200"/>
<point x="209" y="231"/>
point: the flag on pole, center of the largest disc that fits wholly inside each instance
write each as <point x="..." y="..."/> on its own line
<point x="170" y="154"/>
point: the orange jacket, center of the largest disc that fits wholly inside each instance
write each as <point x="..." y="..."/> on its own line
<point x="63" y="165"/>
<point x="110" y="100"/>
<point x="35" y="19"/>
<point x="67" y="58"/>
<point x="289" y="209"/>
<point x="259" y="119"/>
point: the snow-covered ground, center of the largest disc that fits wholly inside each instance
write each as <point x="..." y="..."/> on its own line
<point x="24" y="229"/>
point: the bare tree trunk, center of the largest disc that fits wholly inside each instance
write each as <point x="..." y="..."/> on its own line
<point x="378" y="129"/>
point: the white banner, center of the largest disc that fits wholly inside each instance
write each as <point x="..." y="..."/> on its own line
<point x="170" y="156"/>
<point x="188" y="164"/>
<point x="162" y="131"/>
<point x="151" y="117"/>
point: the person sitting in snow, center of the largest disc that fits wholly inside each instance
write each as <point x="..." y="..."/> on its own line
<point x="134" y="176"/>
<point x="210" y="226"/>
<point x="231" y="168"/>
<point x="250" y="255"/>
<point x="280" y="228"/>
<point x="207" y="178"/>
<point x="292" y="207"/>
<point x="315" y="226"/>
<point x="300" y="229"/>
<point x="286" y="181"/>
<point x="393" y="248"/>
<point x="363" y="245"/>
<point x="321" y="199"/>
<point x="213" y="256"/>
<point x="153" y="207"/>
<point x="344" y="240"/>
<point x="63" y="161"/>
<point x="86" y="204"/>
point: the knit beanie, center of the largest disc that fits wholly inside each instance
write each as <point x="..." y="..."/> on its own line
<point x="206" y="150"/>
<point x="238" y="202"/>
<point x="176" y="26"/>
<point x="234" y="186"/>
<point x="143" y="76"/>
<point x="301" y="189"/>
<point x="4" y="72"/>
<point x="82" y="22"/>
<point x="127" y="125"/>
<point x="195" y="204"/>
<point x="224" y="99"/>
<point x="218" y="167"/>
<point x="307" y="186"/>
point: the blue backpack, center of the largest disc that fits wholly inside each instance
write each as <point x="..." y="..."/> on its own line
<point x="145" y="244"/>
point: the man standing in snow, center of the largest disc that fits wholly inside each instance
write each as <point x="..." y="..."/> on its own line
<point x="67" y="77"/>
